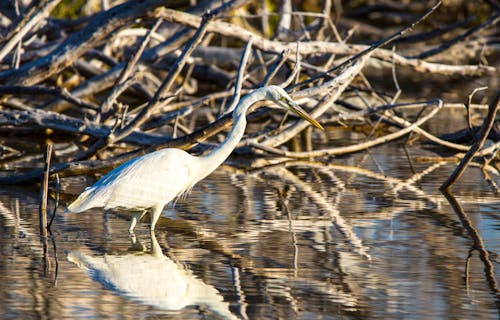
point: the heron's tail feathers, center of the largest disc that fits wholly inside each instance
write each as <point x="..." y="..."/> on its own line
<point x="85" y="201"/>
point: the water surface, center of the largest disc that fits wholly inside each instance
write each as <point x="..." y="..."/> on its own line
<point x="367" y="236"/>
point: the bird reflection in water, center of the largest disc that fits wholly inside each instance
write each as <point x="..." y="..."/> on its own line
<point x="152" y="279"/>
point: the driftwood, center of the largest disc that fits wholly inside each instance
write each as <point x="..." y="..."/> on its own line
<point x="144" y="75"/>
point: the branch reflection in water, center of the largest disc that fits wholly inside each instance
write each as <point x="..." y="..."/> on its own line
<point x="152" y="278"/>
<point x="478" y="243"/>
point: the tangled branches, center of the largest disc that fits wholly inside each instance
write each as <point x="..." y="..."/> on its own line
<point x="142" y="75"/>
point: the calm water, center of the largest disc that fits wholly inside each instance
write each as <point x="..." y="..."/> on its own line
<point x="361" y="237"/>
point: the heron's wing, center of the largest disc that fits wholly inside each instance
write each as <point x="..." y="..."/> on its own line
<point x="141" y="183"/>
<point x="154" y="179"/>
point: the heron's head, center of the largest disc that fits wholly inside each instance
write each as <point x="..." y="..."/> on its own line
<point x="282" y="99"/>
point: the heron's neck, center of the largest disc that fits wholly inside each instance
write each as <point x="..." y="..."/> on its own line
<point x="218" y="155"/>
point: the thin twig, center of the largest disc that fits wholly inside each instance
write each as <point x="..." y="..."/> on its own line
<point x="296" y="69"/>
<point x="239" y="77"/>
<point x="467" y="107"/>
<point x="282" y="57"/>
<point x="44" y="189"/>
<point x="56" y="202"/>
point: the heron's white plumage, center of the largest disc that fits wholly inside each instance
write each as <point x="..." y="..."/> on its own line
<point x="151" y="181"/>
<point x="139" y="184"/>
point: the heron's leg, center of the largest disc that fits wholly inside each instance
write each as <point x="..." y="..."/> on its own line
<point x="155" y="215"/>
<point x="136" y="216"/>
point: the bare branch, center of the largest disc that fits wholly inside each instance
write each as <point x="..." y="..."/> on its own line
<point x="483" y="135"/>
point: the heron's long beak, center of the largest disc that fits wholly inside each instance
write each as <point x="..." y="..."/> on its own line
<point x="293" y="106"/>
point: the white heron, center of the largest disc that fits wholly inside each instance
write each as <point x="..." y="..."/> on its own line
<point x="149" y="182"/>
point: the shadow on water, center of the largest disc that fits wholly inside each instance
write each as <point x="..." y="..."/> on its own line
<point x="363" y="237"/>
